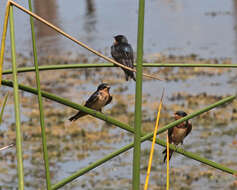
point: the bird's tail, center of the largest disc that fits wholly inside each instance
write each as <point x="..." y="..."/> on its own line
<point x="133" y="77"/>
<point x="129" y="74"/>
<point x="165" y="153"/>
<point x="77" y="116"/>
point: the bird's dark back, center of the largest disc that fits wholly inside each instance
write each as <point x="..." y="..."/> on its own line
<point x="122" y="51"/>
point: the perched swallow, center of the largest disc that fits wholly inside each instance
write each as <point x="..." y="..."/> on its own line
<point x="100" y="98"/>
<point x="178" y="133"/>
<point x="122" y="52"/>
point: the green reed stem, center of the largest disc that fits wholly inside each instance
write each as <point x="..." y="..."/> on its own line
<point x="97" y="65"/>
<point x="3" y="107"/>
<point x="138" y="98"/>
<point x="17" y="106"/>
<point x="41" y="107"/>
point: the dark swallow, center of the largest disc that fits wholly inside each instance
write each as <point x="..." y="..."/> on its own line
<point x="122" y="52"/>
<point x="100" y="98"/>
<point x="178" y="133"/>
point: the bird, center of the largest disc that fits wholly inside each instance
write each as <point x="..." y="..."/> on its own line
<point x="178" y="133"/>
<point x="100" y="98"/>
<point x="122" y="52"/>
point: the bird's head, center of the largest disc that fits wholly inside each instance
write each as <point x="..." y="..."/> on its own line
<point x="120" y="39"/>
<point x="179" y="114"/>
<point x="103" y="86"/>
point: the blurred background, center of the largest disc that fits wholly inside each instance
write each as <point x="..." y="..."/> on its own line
<point x="175" y="31"/>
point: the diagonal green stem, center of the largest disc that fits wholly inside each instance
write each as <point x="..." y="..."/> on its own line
<point x="158" y="141"/>
<point x="41" y="108"/>
<point x="111" y="120"/>
<point x="17" y="106"/>
<point x="197" y="158"/>
<point x="129" y="146"/>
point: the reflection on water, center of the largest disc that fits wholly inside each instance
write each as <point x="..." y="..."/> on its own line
<point x="90" y="20"/>
<point x="49" y="41"/>
<point x="48" y="10"/>
<point x="90" y="7"/>
<point x="46" y="36"/>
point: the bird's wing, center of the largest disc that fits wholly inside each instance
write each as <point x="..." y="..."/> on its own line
<point x="113" y="52"/>
<point x="127" y="52"/>
<point x="123" y="53"/>
<point x="189" y="129"/>
<point x="170" y="131"/>
<point x="93" y="98"/>
<point x="109" y="100"/>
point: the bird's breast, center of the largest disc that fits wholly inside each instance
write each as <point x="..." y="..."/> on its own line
<point x="101" y="102"/>
<point x="178" y="135"/>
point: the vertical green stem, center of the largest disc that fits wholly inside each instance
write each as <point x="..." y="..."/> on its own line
<point x="138" y="98"/>
<point x="41" y="108"/>
<point x="17" y="107"/>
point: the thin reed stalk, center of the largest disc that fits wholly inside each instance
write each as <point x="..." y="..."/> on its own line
<point x="3" y="106"/>
<point x="167" y="162"/>
<point x="97" y="65"/>
<point x="40" y="102"/>
<point x="16" y="106"/>
<point x="153" y="143"/>
<point x="138" y="99"/>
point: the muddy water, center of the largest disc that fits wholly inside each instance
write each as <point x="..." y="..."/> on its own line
<point x="171" y="28"/>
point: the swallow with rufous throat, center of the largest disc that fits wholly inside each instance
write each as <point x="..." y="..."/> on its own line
<point x="99" y="99"/>
<point x="178" y="133"/>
